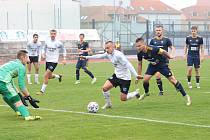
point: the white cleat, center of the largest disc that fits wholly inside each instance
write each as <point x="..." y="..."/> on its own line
<point x="189" y="85"/>
<point x="77" y="82"/>
<point x="107" y="105"/>
<point x="188" y="98"/>
<point x="142" y="97"/>
<point x="198" y="85"/>
<point x="93" y="81"/>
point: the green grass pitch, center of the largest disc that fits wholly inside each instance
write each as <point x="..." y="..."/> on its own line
<point x="155" y="118"/>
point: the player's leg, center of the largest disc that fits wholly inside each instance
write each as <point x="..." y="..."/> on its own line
<point x="113" y="81"/>
<point x="36" y="77"/>
<point x="168" y="74"/>
<point x="189" y="70"/>
<point x="78" y="66"/>
<point x="29" y="72"/>
<point x="197" y="72"/>
<point x="159" y="83"/>
<point x="88" y="72"/>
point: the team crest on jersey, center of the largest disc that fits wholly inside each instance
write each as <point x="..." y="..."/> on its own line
<point x="155" y="42"/>
<point x="196" y="40"/>
<point x="190" y="40"/>
<point x="162" y="41"/>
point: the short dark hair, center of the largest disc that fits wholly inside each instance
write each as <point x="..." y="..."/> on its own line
<point x="35" y="35"/>
<point x="194" y="28"/>
<point x="82" y="34"/>
<point x="159" y="26"/>
<point x="53" y="30"/>
<point x="21" y="53"/>
<point x="109" y="41"/>
<point x="139" y="39"/>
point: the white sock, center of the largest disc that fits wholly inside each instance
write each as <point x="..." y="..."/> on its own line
<point x="43" y="88"/>
<point x="107" y="96"/>
<point x="57" y="76"/>
<point x="131" y="95"/>
<point x="36" y="77"/>
<point x="29" y="78"/>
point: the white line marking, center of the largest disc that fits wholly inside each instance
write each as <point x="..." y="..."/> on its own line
<point x="123" y="117"/>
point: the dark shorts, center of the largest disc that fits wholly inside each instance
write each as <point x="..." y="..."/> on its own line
<point x="163" y="69"/>
<point x="81" y="63"/>
<point x="123" y="84"/>
<point x="193" y="61"/>
<point x="51" y="66"/>
<point x="34" y="59"/>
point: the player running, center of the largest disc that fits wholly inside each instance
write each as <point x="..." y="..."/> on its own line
<point x="121" y="76"/>
<point x="83" y="49"/>
<point x="8" y="72"/>
<point x="34" y="51"/>
<point x="157" y="58"/>
<point x="164" y="43"/>
<point x="194" y="52"/>
<point x="51" y="54"/>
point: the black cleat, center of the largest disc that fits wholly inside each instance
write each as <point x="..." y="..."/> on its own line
<point x="60" y="78"/>
<point x="138" y="96"/>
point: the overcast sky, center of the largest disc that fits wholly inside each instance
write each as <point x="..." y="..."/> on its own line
<point x="178" y="4"/>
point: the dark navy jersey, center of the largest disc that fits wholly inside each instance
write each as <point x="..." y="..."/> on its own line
<point x="83" y="46"/>
<point x="163" y="43"/>
<point x="153" y="55"/>
<point x="193" y="45"/>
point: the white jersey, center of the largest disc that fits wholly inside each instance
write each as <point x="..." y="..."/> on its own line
<point x="34" y="49"/>
<point x="123" y="67"/>
<point x="52" y="50"/>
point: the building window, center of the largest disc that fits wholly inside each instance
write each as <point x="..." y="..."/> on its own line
<point x="208" y="14"/>
<point x="194" y="14"/>
<point x="151" y="8"/>
<point x="141" y="8"/>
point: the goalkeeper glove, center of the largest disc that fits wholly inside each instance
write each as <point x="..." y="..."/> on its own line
<point x="32" y="101"/>
<point x="23" y="99"/>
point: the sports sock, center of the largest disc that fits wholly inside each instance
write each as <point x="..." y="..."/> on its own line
<point x="107" y="96"/>
<point x="131" y="95"/>
<point x="179" y="87"/>
<point x="189" y="79"/>
<point x="29" y="78"/>
<point x="43" y="87"/>
<point x="77" y="74"/>
<point x="36" y="77"/>
<point x="10" y="104"/>
<point x="160" y="84"/>
<point x="89" y="73"/>
<point x="146" y="87"/>
<point x="197" y="79"/>
<point x="23" y="111"/>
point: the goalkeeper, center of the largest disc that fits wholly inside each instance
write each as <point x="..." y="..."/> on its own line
<point x="8" y="72"/>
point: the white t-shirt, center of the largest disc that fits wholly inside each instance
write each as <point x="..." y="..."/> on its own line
<point x="52" y="49"/>
<point x="34" y="49"/>
<point x="123" y="67"/>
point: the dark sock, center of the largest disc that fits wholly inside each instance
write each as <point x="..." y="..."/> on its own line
<point x="89" y="73"/>
<point x="197" y="79"/>
<point x="189" y="78"/>
<point x="179" y="87"/>
<point x="146" y="87"/>
<point x="160" y="84"/>
<point x="77" y="74"/>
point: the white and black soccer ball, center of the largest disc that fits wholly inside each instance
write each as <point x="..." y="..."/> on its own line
<point x="93" y="107"/>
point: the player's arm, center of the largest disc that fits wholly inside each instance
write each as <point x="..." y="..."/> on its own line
<point x="172" y="50"/>
<point x="165" y="53"/>
<point x="23" y="89"/>
<point x="63" y="49"/>
<point x="202" y="52"/>
<point x="139" y="67"/>
<point x="97" y="56"/>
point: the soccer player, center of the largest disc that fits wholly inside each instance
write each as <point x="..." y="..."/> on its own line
<point x="51" y="52"/>
<point x="121" y="76"/>
<point x="157" y="58"/>
<point x="164" y="43"/>
<point x="8" y="72"/>
<point x="194" y="52"/>
<point x="34" y="51"/>
<point x="83" y="49"/>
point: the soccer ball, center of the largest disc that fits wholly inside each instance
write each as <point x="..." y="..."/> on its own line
<point x="93" y="107"/>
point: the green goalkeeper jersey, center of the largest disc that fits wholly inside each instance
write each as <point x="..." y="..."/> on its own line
<point x="11" y="70"/>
